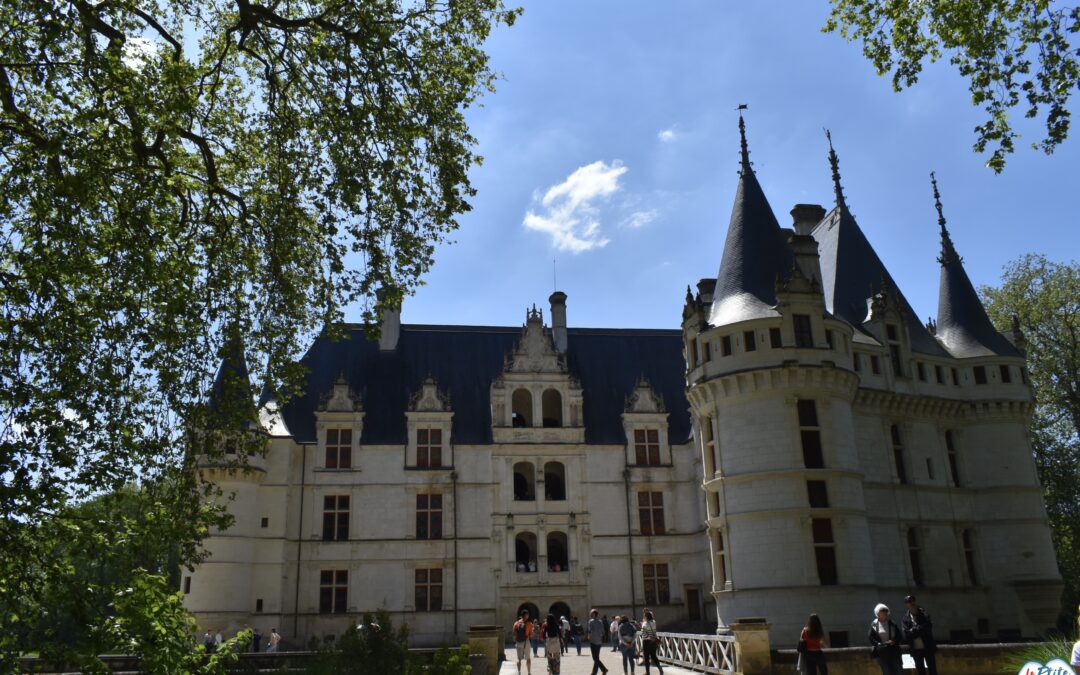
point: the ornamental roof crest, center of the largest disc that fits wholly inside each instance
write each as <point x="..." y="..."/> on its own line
<point x="644" y="398"/>
<point x="340" y="398"/>
<point x="535" y="351"/>
<point x="429" y="398"/>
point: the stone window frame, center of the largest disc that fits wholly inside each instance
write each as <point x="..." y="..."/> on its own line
<point x="440" y="421"/>
<point x="429" y="515"/>
<point x="336" y="582"/>
<point x="652" y="506"/>
<point x="423" y="578"/>
<point x="720" y="543"/>
<point x="656" y="567"/>
<point x="341" y="517"/>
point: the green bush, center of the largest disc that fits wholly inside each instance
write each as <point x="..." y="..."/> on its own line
<point x="1043" y="652"/>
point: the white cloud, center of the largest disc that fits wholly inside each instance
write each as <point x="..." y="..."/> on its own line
<point x="137" y="52"/>
<point x="640" y="218"/>
<point x="667" y="135"/>
<point x="569" y="210"/>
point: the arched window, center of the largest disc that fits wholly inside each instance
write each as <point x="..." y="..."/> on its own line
<point x="521" y="404"/>
<point x="557" y="552"/>
<point x="524" y="482"/>
<point x="525" y="552"/>
<point x="554" y="482"/>
<point x="552" y="405"/>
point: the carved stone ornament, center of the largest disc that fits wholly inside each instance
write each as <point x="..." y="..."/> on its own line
<point x="644" y="399"/>
<point x="340" y="398"/>
<point x="429" y="398"/>
<point x="535" y="351"/>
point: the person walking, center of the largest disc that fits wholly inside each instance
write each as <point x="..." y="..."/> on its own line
<point x="885" y="637"/>
<point x="650" y="641"/>
<point x="576" y="632"/>
<point x="536" y="636"/>
<point x="627" y="644"/>
<point x="613" y="631"/>
<point x="812" y="641"/>
<point x="551" y="633"/>
<point x="595" y="631"/>
<point x="275" y="638"/>
<point x="565" y="625"/>
<point x="256" y="640"/>
<point x="919" y="635"/>
<point x="522" y="636"/>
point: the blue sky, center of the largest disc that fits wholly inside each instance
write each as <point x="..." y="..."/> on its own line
<point x="611" y="145"/>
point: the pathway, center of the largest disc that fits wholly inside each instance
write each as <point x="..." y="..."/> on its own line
<point x="572" y="664"/>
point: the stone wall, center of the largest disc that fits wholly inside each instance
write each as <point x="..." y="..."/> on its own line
<point x="983" y="659"/>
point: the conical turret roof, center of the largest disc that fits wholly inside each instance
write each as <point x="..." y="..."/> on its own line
<point x="962" y="324"/>
<point x="231" y="394"/>
<point x="755" y="253"/>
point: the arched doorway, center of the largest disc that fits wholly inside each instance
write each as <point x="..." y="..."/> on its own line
<point x="560" y="609"/>
<point x="532" y="609"/>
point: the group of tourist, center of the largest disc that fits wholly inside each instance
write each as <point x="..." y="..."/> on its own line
<point x="557" y="633"/>
<point x="886" y="638"/>
<point x="213" y="642"/>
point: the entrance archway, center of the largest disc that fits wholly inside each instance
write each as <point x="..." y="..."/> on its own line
<point x="560" y="609"/>
<point x="534" y="611"/>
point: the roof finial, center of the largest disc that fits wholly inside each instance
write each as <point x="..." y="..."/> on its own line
<point x="834" y="162"/>
<point x="744" y="150"/>
<point x="948" y="251"/>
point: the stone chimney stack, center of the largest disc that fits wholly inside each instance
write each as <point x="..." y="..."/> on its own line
<point x="806" y="216"/>
<point x="390" y="329"/>
<point x="558" y="320"/>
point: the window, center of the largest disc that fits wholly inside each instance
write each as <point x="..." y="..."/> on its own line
<point x="555" y="482"/>
<point x="706" y="348"/>
<point x="968" y="541"/>
<point x="429" y="447"/>
<point x="830" y="340"/>
<point x="258" y="605"/>
<point x="803" y="335"/>
<point x="818" y="494"/>
<point x="187" y="585"/>
<point x="891" y="332"/>
<point x="429" y="590"/>
<point x="335" y="520"/>
<point x="1006" y="374"/>
<point x="980" y="374"/>
<point x="338" y="448"/>
<point x="551" y="402"/>
<point x="647" y="446"/>
<point x="915" y="556"/>
<point x="333" y="591"/>
<point x="856" y="361"/>
<point x="749" y="340"/>
<point x="429" y="516"/>
<point x="939" y="374"/>
<point x="824" y="550"/>
<point x="525" y="551"/>
<point x="896" y="359"/>
<point x="954" y="464"/>
<point x="264" y="523"/>
<point x="956" y="377"/>
<point x="721" y="559"/>
<point x="898" y="453"/>
<point x="651" y="512"/>
<point x="521" y="405"/>
<point x="524" y="482"/>
<point x="691" y="353"/>
<point x="557" y="552"/>
<point x="774" y="338"/>
<point x="920" y="369"/>
<point x="813" y="456"/>
<point x="875" y="365"/>
<point x="725" y="345"/>
<point x="657" y="585"/>
<point x="712" y="460"/>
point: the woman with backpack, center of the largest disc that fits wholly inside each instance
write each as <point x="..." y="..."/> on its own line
<point x="627" y="644"/>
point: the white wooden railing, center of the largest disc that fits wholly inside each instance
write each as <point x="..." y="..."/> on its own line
<point x="700" y="653"/>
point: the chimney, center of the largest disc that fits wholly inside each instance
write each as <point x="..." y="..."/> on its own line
<point x="390" y="327"/>
<point x="558" y="320"/>
<point x="806" y="216"/>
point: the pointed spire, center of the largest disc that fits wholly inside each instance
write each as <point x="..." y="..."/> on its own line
<point x="948" y="251"/>
<point x="744" y="150"/>
<point x="834" y="162"/>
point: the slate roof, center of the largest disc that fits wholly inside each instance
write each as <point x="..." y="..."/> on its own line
<point x="852" y="272"/>
<point x="755" y="254"/>
<point x="465" y="359"/>
<point x="232" y="382"/>
<point x="962" y="324"/>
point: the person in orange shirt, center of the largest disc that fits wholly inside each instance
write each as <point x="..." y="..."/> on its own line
<point x="523" y="630"/>
<point x="811" y="643"/>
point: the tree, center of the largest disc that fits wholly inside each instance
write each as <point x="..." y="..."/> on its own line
<point x="1043" y="298"/>
<point x="183" y="180"/>
<point x="1014" y="53"/>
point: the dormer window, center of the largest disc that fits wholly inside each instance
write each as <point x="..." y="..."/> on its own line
<point x="428" y="447"/>
<point x="339" y="421"/>
<point x="338" y="448"/>
<point x="428" y="423"/>
<point x="647" y="446"/>
<point x="646" y="425"/>
<point x="804" y="337"/>
<point x="892" y="332"/>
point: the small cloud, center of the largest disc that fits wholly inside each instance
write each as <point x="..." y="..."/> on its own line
<point x="640" y="218"/>
<point x="569" y="210"/>
<point x="137" y="52"/>
<point x="667" y="135"/>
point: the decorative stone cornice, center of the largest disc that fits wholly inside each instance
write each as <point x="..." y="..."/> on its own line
<point x="760" y="381"/>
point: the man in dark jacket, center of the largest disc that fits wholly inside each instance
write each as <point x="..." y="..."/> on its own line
<point x="919" y="635"/>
